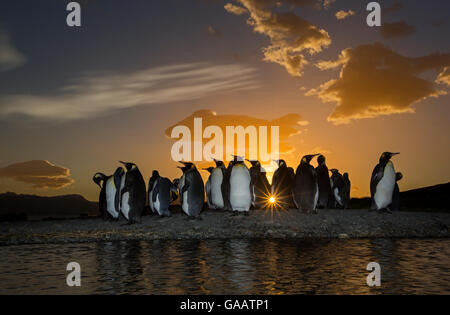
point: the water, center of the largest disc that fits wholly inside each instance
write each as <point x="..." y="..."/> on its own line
<point x="229" y="267"/>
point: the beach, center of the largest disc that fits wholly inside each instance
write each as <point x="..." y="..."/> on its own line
<point x="286" y="224"/>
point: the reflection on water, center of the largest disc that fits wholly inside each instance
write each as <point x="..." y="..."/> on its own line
<point x="229" y="267"/>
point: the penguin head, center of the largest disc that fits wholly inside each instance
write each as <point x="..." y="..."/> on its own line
<point x="281" y="163"/>
<point x="129" y="165"/>
<point x="345" y="175"/>
<point x="237" y="160"/>
<point x="155" y="174"/>
<point x="98" y="178"/>
<point x="334" y="171"/>
<point x="187" y="166"/>
<point x="176" y="182"/>
<point x="209" y="169"/>
<point x="386" y="156"/>
<point x="307" y="158"/>
<point x="254" y="162"/>
<point x="398" y="176"/>
<point x="219" y="163"/>
<point x="119" y="171"/>
<point x="321" y="160"/>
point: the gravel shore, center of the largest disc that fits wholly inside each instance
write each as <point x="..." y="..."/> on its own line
<point x="221" y="225"/>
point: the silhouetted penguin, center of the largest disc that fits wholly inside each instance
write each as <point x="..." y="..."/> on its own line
<point x="382" y="182"/>
<point x="162" y="196"/>
<point x="347" y="191"/>
<point x="208" y="188"/>
<point x="133" y="194"/>
<point x="112" y="193"/>
<point x="260" y="187"/>
<point x="151" y="184"/>
<point x="323" y="180"/>
<point x="240" y="194"/>
<point x="100" y="179"/>
<point x="192" y="190"/>
<point x="395" y="205"/>
<point x="306" y="191"/>
<point x="282" y="187"/>
<point x="338" y="188"/>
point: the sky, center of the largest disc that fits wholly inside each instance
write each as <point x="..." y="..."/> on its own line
<point x="75" y="100"/>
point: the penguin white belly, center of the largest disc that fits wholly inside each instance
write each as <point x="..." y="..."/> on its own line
<point x="110" y="198"/>
<point x="316" y="197"/>
<point x="157" y="205"/>
<point x="385" y="187"/>
<point x="184" y="199"/>
<point x="216" y="188"/>
<point x="337" y="196"/>
<point x="240" y="195"/>
<point x="125" y="208"/>
<point x="150" y="197"/>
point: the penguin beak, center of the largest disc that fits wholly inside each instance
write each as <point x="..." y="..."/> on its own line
<point x="124" y="163"/>
<point x="395" y="153"/>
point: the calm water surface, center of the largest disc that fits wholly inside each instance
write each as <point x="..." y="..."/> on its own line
<point x="229" y="267"/>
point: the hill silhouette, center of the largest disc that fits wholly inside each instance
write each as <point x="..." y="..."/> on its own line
<point x="22" y="207"/>
<point x="427" y="198"/>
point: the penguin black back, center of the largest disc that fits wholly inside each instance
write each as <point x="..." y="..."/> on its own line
<point x="260" y="186"/>
<point x="323" y="180"/>
<point x="306" y="191"/>
<point x="282" y="184"/>
<point x="100" y="179"/>
<point x="133" y="194"/>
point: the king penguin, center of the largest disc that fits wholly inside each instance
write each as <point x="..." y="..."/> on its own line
<point x="260" y="187"/>
<point x="240" y="195"/>
<point x="100" y="179"/>
<point x="151" y="184"/>
<point x="348" y="187"/>
<point x="323" y="180"/>
<point x="283" y="184"/>
<point x="338" y="188"/>
<point x="306" y="191"/>
<point x="382" y="183"/>
<point x="220" y="186"/>
<point x="162" y="196"/>
<point x="395" y="205"/>
<point x="192" y="190"/>
<point x="112" y="193"/>
<point x="133" y="194"/>
<point x="208" y="188"/>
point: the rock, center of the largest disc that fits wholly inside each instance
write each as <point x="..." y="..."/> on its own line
<point x="343" y="236"/>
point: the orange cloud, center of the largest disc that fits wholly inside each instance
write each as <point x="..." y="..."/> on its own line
<point x="39" y="173"/>
<point x="341" y="15"/>
<point x="444" y="76"/>
<point x="374" y="80"/>
<point x="290" y="35"/>
<point x="396" y="29"/>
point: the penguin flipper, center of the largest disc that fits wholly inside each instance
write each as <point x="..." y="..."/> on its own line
<point x="155" y="192"/>
<point x="377" y="175"/>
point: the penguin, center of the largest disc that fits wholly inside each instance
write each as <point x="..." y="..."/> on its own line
<point x="348" y="187"/>
<point x="338" y="188"/>
<point x="100" y="180"/>
<point x="323" y="180"/>
<point x="192" y="190"/>
<point x="260" y="187"/>
<point x="112" y="193"/>
<point x="382" y="183"/>
<point x="395" y="205"/>
<point x="283" y="184"/>
<point x="151" y="184"/>
<point x="162" y="196"/>
<point x="133" y="194"/>
<point x="176" y="185"/>
<point x="306" y="190"/>
<point x="240" y="194"/>
<point x="220" y="187"/>
<point x="208" y="188"/>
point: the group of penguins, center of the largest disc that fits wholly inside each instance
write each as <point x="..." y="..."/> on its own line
<point x="238" y="188"/>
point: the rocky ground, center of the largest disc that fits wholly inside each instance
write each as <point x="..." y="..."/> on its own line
<point x="221" y="225"/>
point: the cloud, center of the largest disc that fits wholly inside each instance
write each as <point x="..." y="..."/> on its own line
<point x="375" y="80"/>
<point x="288" y="126"/>
<point x="234" y="9"/>
<point x="396" y="29"/>
<point x="38" y="173"/>
<point x="99" y="94"/>
<point x="290" y="35"/>
<point x="341" y="15"/>
<point x="444" y="76"/>
<point x="213" y="31"/>
<point x="10" y="57"/>
<point x="394" y="7"/>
